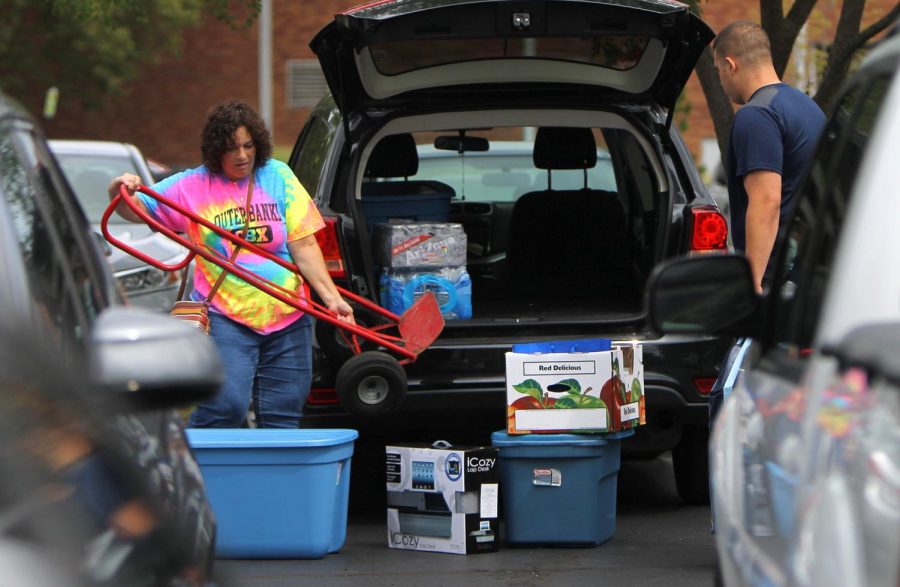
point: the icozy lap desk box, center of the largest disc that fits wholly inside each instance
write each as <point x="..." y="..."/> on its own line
<point x="574" y="386"/>
<point x="442" y="498"/>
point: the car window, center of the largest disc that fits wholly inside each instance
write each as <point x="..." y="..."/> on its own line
<point x="815" y="229"/>
<point x="506" y="170"/>
<point x="63" y="278"/>
<point x="486" y="177"/>
<point x="309" y="163"/>
<point x="613" y="52"/>
<point x="90" y="175"/>
<point x="309" y="158"/>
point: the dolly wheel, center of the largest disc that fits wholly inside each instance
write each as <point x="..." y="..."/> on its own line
<point x="371" y="384"/>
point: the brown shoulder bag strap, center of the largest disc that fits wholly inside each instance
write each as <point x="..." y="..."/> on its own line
<point x="234" y="253"/>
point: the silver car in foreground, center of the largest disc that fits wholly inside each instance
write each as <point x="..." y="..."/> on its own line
<point x="89" y="166"/>
<point x="805" y="452"/>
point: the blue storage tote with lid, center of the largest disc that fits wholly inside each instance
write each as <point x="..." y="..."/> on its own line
<point x="559" y="488"/>
<point x="276" y="493"/>
<point x="424" y="207"/>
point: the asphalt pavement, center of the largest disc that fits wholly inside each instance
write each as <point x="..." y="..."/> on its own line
<point x="658" y="541"/>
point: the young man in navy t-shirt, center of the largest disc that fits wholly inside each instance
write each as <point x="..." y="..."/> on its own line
<point x="773" y="140"/>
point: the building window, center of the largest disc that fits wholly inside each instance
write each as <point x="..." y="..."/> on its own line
<point x="305" y="83"/>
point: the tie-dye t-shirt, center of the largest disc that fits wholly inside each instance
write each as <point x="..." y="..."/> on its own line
<point x="280" y="211"/>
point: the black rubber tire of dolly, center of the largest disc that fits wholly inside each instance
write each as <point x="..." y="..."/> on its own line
<point x="690" y="462"/>
<point x="376" y="372"/>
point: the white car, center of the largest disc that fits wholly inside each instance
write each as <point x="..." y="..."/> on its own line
<point x="89" y="166"/>
<point x="805" y="452"/>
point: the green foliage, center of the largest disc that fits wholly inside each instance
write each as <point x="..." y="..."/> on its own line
<point x="91" y="48"/>
<point x="683" y="109"/>
<point x="221" y="9"/>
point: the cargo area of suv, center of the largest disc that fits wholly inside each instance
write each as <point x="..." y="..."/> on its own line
<point x="543" y="130"/>
<point x="557" y="228"/>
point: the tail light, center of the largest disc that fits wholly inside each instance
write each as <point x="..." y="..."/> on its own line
<point x="331" y="249"/>
<point x="704" y="384"/>
<point x="709" y="232"/>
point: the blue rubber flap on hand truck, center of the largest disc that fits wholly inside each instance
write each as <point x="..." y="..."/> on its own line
<point x="584" y="345"/>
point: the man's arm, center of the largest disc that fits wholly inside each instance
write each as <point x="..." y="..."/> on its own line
<point x="763" y="209"/>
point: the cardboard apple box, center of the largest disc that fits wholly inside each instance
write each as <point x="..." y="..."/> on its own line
<point x="571" y="392"/>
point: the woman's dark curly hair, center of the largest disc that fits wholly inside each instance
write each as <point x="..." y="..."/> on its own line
<point x="217" y="137"/>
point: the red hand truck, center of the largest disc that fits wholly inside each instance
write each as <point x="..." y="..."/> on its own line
<point x="370" y="383"/>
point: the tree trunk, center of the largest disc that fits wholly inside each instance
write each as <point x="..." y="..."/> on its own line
<point x="847" y="41"/>
<point x="784" y="29"/>
<point x="719" y="104"/>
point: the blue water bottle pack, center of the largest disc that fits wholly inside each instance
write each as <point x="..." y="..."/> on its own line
<point x="452" y="287"/>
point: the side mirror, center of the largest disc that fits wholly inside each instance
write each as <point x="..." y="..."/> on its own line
<point x="710" y="294"/>
<point x="461" y="144"/>
<point x="153" y="360"/>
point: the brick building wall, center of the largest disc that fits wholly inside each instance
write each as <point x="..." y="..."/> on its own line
<point x="163" y="111"/>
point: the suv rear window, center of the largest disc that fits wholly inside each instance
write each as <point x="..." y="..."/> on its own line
<point x="397" y="57"/>
<point x="505" y="174"/>
<point x="506" y="170"/>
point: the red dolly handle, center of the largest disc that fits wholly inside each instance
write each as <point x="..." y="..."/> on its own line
<point x="409" y="325"/>
<point x="193" y="217"/>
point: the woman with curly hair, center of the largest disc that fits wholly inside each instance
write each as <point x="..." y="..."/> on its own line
<point x="265" y="345"/>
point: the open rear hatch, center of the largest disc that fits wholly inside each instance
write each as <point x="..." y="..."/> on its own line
<point x="396" y="50"/>
<point x="394" y="54"/>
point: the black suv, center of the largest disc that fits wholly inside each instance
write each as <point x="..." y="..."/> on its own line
<point x="545" y="130"/>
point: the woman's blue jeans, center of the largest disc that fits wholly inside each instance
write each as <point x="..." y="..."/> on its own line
<point x="274" y="371"/>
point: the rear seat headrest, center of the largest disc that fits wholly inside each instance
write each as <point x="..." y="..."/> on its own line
<point x="393" y="156"/>
<point x="564" y="148"/>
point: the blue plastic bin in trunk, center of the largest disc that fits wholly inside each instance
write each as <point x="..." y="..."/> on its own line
<point x="559" y="488"/>
<point x="276" y="493"/>
<point x="430" y="207"/>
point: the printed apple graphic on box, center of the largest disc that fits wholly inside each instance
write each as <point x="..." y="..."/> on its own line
<point x="613" y="392"/>
<point x="569" y="395"/>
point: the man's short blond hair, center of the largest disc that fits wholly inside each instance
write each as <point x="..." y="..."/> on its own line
<point x="745" y="41"/>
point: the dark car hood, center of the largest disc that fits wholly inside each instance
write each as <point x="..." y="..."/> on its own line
<point x="395" y="51"/>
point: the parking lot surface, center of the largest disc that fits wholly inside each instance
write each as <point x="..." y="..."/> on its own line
<point x="658" y="541"/>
